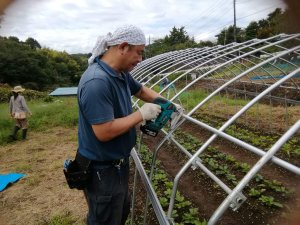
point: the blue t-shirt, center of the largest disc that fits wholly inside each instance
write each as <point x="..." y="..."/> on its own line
<point x="104" y="95"/>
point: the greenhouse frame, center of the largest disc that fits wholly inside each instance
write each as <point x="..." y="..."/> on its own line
<point x="242" y="85"/>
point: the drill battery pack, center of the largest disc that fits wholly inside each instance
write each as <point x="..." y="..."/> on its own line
<point x="153" y="127"/>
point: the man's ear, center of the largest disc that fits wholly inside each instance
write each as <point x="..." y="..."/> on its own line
<point x="123" y="46"/>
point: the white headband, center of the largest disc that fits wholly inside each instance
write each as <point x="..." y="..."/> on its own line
<point x="129" y="33"/>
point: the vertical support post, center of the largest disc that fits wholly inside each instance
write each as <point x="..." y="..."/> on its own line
<point x="257" y="109"/>
<point x="286" y="112"/>
<point x="225" y="33"/>
<point x="234" y="22"/>
<point x="245" y="98"/>
<point x="270" y="118"/>
<point x="263" y="160"/>
<point x="135" y="181"/>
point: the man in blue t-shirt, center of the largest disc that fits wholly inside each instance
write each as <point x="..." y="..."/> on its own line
<point x="106" y="131"/>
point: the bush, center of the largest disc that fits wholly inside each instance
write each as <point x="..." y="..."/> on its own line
<point x="6" y="92"/>
<point x="48" y="99"/>
<point x="31" y="85"/>
<point x="61" y="112"/>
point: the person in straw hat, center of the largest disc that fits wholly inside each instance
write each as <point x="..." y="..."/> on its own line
<point x="18" y="110"/>
<point x="106" y="129"/>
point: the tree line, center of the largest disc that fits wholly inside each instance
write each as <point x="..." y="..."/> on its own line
<point x="178" y="38"/>
<point x="37" y="68"/>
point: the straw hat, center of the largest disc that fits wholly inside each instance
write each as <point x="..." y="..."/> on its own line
<point x="18" y="89"/>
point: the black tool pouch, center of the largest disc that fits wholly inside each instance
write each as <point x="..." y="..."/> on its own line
<point x="77" y="172"/>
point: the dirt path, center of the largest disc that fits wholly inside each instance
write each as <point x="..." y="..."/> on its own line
<point x="202" y="192"/>
<point x="271" y="170"/>
<point x="43" y="193"/>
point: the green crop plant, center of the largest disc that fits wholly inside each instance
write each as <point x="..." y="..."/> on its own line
<point x="258" y="178"/>
<point x="163" y="188"/>
<point x="189" y="217"/>
<point x="219" y="163"/>
<point x="277" y="187"/>
<point x="245" y="167"/>
<point x="292" y="147"/>
<point x="263" y="141"/>
<point x="269" y="201"/>
<point x="231" y="178"/>
<point x="256" y="192"/>
<point x="163" y="201"/>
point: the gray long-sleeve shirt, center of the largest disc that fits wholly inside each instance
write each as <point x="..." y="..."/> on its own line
<point x="18" y="105"/>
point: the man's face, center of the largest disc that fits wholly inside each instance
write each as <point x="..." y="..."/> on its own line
<point x="132" y="56"/>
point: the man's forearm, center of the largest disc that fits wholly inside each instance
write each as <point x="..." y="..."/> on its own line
<point x="147" y="94"/>
<point x="109" y="130"/>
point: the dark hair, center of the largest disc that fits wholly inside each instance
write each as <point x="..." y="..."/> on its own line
<point x="15" y="94"/>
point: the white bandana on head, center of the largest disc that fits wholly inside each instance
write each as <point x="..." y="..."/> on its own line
<point x="129" y="33"/>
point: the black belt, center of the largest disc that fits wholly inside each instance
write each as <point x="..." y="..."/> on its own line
<point x="118" y="162"/>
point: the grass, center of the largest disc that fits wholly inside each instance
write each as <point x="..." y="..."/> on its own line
<point x="42" y="196"/>
<point x="24" y="168"/>
<point x="61" y="112"/>
<point x="193" y="97"/>
<point x="64" y="219"/>
<point x="33" y="181"/>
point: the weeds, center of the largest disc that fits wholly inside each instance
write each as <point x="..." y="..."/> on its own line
<point x="65" y="219"/>
<point x="224" y="165"/>
<point x="60" y="112"/>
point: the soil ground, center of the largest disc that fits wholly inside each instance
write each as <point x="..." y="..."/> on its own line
<point x="201" y="190"/>
<point x="43" y="194"/>
<point x="203" y="194"/>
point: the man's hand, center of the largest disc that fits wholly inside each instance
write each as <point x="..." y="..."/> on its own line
<point x="150" y="111"/>
<point x="179" y="108"/>
<point x="176" y="115"/>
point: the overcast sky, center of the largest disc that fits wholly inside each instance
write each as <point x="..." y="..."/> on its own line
<point x="74" y="25"/>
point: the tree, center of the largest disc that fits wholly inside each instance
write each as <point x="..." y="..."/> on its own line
<point x="272" y="25"/>
<point x="176" y="40"/>
<point x="157" y="47"/>
<point x="226" y="36"/>
<point x="251" y="30"/>
<point x="177" y="36"/>
<point x="32" y="43"/>
<point x="13" y="38"/>
<point x="20" y="63"/>
<point x="205" y="44"/>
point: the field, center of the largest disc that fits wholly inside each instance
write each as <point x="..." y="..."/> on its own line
<point x="225" y="163"/>
<point x="43" y="197"/>
<point x="273" y="194"/>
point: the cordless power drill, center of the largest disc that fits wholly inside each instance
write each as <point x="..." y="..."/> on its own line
<point x="167" y="109"/>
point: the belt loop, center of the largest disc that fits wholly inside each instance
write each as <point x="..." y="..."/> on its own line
<point x="118" y="166"/>
<point x="121" y="161"/>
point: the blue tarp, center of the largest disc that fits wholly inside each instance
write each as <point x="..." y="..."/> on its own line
<point x="6" y="179"/>
<point x="67" y="91"/>
<point x="271" y="77"/>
